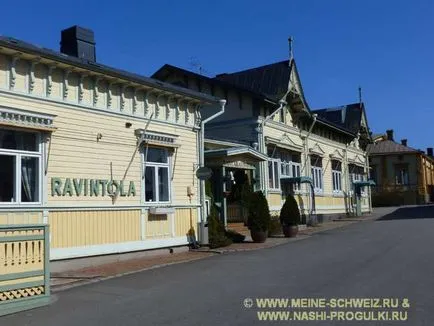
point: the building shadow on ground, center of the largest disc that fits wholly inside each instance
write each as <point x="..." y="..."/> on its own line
<point x="409" y="213"/>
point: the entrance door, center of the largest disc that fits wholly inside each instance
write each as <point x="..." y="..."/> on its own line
<point x="240" y="187"/>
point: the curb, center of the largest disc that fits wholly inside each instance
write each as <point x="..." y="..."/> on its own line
<point x="86" y="281"/>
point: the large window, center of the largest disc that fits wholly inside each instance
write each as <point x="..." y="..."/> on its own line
<point x="317" y="173"/>
<point x="290" y="166"/>
<point x="20" y="167"/>
<point x="337" y="177"/>
<point x="273" y="174"/>
<point x="157" y="174"/>
<point x="285" y="164"/>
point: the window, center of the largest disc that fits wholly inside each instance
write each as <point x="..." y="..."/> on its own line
<point x="373" y="174"/>
<point x="290" y="166"/>
<point x="20" y="167"/>
<point x="317" y="175"/>
<point x="157" y="174"/>
<point x="289" y="163"/>
<point x="356" y="173"/>
<point x="273" y="174"/>
<point x="401" y="174"/>
<point x="337" y="176"/>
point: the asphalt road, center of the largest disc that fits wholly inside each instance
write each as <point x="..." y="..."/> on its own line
<point x="393" y="258"/>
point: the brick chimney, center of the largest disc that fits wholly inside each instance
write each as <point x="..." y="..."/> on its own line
<point x="404" y="142"/>
<point x="429" y="151"/>
<point x="389" y="134"/>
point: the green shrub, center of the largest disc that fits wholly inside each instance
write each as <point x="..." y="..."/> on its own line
<point x="275" y="228"/>
<point x="290" y="214"/>
<point x="235" y="236"/>
<point x="208" y="190"/>
<point x="216" y="231"/>
<point x="259" y="212"/>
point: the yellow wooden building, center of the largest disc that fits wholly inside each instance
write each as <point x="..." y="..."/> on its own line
<point x="268" y="116"/>
<point x="403" y="175"/>
<point x="107" y="158"/>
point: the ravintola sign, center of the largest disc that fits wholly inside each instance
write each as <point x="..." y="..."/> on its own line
<point x="91" y="187"/>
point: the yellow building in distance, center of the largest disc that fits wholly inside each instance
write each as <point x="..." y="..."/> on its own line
<point x="403" y="175"/>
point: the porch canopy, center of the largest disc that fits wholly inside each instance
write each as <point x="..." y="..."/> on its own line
<point x="225" y="159"/>
<point x="241" y="157"/>
<point x="297" y="179"/>
<point x="360" y="184"/>
<point x="369" y="183"/>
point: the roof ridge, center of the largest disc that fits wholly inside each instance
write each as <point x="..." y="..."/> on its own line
<point x="337" y="106"/>
<point x="251" y="69"/>
<point x="213" y="79"/>
<point x="102" y="68"/>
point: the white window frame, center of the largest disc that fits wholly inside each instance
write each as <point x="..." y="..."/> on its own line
<point x="287" y="168"/>
<point x="337" y="179"/>
<point x="18" y="154"/>
<point x="276" y="166"/>
<point x="317" y="178"/>
<point x="357" y="177"/>
<point x="155" y="165"/>
<point x="296" y="167"/>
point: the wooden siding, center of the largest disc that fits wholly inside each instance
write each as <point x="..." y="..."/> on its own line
<point x="10" y="217"/>
<point x="75" y="152"/>
<point x="185" y="218"/>
<point x="274" y="199"/>
<point x="87" y="228"/>
<point x="158" y="226"/>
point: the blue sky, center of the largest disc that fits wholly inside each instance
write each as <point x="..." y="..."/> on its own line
<point x="387" y="47"/>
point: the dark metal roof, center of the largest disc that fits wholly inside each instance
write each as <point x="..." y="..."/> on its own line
<point x="100" y="68"/>
<point x="389" y="146"/>
<point x="271" y="80"/>
<point x="164" y="72"/>
<point x="347" y="116"/>
<point x="334" y="125"/>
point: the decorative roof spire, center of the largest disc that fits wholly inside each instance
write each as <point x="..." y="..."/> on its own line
<point x="360" y="96"/>
<point x="291" y="53"/>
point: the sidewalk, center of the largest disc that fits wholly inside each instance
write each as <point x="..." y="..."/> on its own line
<point x="65" y="280"/>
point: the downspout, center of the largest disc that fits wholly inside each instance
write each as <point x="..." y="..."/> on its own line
<point x="202" y="194"/>
<point x="367" y="179"/>
<point x="306" y="138"/>
<point x="347" y="180"/>
<point x="306" y="159"/>
<point x="367" y="153"/>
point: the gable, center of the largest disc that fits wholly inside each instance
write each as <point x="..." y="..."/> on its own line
<point x="295" y="95"/>
<point x="337" y="154"/>
<point x="317" y="150"/>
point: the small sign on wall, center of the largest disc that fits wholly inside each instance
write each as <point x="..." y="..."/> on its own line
<point x="91" y="187"/>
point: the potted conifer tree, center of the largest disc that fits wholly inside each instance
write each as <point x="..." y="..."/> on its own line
<point x="290" y="217"/>
<point x="258" y="217"/>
